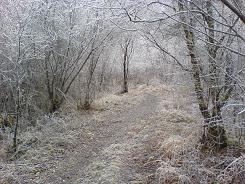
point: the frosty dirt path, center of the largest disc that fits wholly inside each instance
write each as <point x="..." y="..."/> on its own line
<point x="148" y="136"/>
<point x="91" y="163"/>
<point x="135" y="138"/>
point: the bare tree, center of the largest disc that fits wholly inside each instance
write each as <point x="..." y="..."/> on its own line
<point x="209" y="36"/>
<point x="44" y="46"/>
<point x="89" y="92"/>
<point x="238" y="9"/>
<point x="127" y="49"/>
<point x="68" y="50"/>
<point x="13" y="53"/>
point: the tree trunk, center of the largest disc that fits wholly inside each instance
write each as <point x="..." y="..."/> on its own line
<point x="17" y="112"/>
<point x="87" y="100"/>
<point x="86" y="104"/>
<point x="55" y="103"/>
<point x="125" y="71"/>
<point x="215" y="134"/>
<point x="125" y="78"/>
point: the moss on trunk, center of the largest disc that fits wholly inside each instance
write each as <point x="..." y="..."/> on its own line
<point x="215" y="137"/>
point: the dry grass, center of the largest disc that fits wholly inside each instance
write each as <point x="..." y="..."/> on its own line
<point x="108" y="167"/>
<point x="43" y="148"/>
<point x="162" y="147"/>
<point x="169" y="150"/>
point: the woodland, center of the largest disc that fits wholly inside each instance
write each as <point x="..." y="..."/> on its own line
<point x="122" y="91"/>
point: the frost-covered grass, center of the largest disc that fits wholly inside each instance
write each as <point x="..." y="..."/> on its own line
<point x="40" y="149"/>
<point x="169" y="151"/>
<point x="160" y="147"/>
